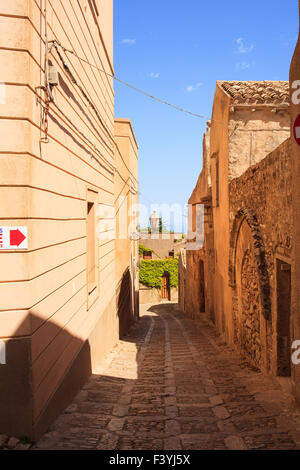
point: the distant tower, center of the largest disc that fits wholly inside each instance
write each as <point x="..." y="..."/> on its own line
<point x="154" y="221"/>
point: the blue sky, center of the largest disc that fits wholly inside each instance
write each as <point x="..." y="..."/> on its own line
<point x="177" y="51"/>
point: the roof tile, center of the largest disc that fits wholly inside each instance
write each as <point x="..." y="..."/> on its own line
<point x="251" y="93"/>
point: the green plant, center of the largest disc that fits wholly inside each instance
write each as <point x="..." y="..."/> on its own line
<point x="25" y="440"/>
<point x="151" y="272"/>
<point x="143" y="248"/>
<point x="161" y="226"/>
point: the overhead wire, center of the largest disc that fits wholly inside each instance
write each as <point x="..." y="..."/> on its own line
<point x="113" y="167"/>
<point x="73" y="79"/>
<point x="56" y="43"/>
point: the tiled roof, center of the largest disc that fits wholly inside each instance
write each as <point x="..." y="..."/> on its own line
<point x="250" y="93"/>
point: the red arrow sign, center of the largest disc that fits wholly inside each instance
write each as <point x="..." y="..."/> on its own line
<point x="296" y="130"/>
<point x="16" y="237"/>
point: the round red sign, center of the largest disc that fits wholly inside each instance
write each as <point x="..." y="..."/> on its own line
<point x="296" y="130"/>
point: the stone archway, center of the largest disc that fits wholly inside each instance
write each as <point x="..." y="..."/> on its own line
<point x="249" y="279"/>
<point x="259" y="254"/>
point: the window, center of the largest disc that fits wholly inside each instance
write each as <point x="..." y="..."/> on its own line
<point x="215" y="157"/>
<point x="284" y="282"/>
<point x="171" y="254"/>
<point x="217" y="183"/>
<point x="92" y="272"/>
<point x="147" y="254"/>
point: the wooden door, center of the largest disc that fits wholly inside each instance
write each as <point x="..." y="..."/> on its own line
<point x="201" y="286"/>
<point x="283" y="318"/>
<point x="165" y="286"/>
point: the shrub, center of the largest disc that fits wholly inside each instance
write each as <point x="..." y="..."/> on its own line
<point x="143" y="248"/>
<point x="151" y="272"/>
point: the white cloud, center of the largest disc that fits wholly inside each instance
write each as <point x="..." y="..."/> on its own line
<point x="242" y="48"/>
<point x="242" y="65"/>
<point x="128" y="41"/>
<point x="195" y="87"/>
<point x="154" y="74"/>
<point x="286" y="40"/>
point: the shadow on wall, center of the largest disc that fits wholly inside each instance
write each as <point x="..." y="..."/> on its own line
<point x="41" y="376"/>
<point x="125" y="305"/>
<point x="47" y="364"/>
<point x="93" y="414"/>
<point x="38" y="383"/>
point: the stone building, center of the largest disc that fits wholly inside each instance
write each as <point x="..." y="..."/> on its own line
<point x="64" y="161"/>
<point x="241" y="278"/>
<point x="260" y="261"/>
<point x="163" y="245"/>
<point x="295" y="187"/>
<point x="126" y="209"/>
<point x="196" y="265"/>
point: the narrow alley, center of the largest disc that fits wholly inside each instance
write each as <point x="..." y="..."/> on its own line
<point x="173" y="384"/>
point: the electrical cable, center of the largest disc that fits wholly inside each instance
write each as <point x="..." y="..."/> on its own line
<point x="47" y="88"/>
<point x="73" y="79"/>
<point x="50" y="99"/>
<point x="56" y="43"/>
<point x="114" y="168"/>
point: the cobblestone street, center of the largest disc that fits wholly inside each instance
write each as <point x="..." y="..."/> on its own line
<point x="172" y="384"/>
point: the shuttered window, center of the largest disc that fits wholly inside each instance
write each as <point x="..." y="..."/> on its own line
<point x="217" y="183"/>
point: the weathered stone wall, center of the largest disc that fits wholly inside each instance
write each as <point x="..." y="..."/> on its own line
<point x="193" y="279"/>
<point x="209" y="260"/>
<point x="251" y="306"/>
<point x="248" y="307"/>
<point x="253" y="135"/>
<point x="261" y="197"/>
<point x="295" y="157"/>
<point x="196" y="267"/>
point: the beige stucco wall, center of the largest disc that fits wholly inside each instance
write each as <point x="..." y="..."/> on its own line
<point x="162" y="244"/>
<point x="203" y="184"/>
<point x="126" y="207"/>
<point x="198" y="275"/>
<point x="219" y="149"/>
<point x="44" y="319"/>
<point x="152" y="295"/>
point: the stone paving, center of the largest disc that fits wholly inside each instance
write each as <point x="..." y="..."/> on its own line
<point x="172" y="384"/>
